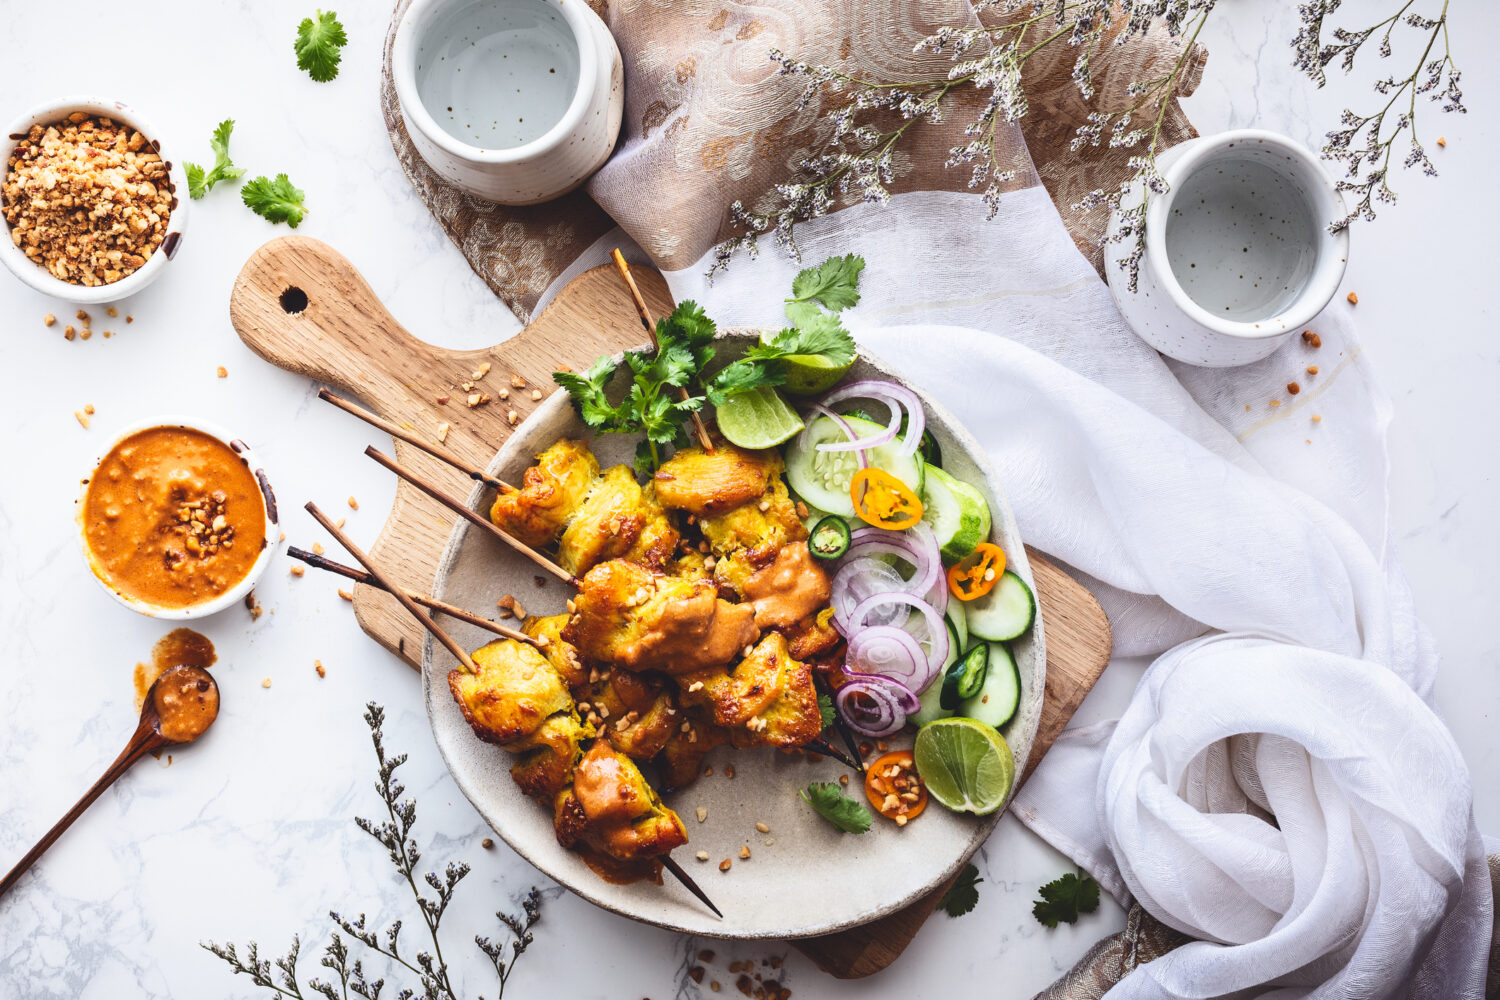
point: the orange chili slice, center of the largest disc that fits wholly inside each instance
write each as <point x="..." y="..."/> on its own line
<point x="977" y="573"/>
<point x="889" y="784"/>
<point x="883" y="500"/>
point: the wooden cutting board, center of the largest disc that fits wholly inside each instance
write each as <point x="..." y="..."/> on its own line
<point x="302" y="306"/>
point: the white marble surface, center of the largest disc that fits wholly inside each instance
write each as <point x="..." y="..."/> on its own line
<point x="251" y="834"/>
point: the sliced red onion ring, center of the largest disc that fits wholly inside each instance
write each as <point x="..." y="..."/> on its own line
<point x="898" y="396"/>
<point x="916" y="545"/>
<point x="874" y="440"/>
<point x="937" y="634"/>
<point x="889" y="652"/>
<point x="859" y="579"/>
<point x="875" y="706"/>
<point x="843" y="425"/>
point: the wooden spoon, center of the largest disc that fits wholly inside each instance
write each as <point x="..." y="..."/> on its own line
<point x="182" y="703"/>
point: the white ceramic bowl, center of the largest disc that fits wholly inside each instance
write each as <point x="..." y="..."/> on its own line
<point x="37" y="276"/>
<point x="233" y="595"/>
<point x="545" y="167"/>
<point x="813" y="879"/>
<point x="1220" y="314"/>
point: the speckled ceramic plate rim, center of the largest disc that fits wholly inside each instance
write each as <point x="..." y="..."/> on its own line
<point x="1028" y="712"/>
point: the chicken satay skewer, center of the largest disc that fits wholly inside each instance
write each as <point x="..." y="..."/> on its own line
<point x="461" y="509"/>
<point x="650" y="324"/>
<point x="402" y="434"/>
<point x="451" y="610"/>
<point x="399" y="594"/>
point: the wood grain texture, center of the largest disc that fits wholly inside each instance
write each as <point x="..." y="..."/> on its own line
<point x="345" y="337"/>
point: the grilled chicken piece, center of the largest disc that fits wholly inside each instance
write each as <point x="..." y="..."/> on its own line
<point x="559" y="652"/>
<point x="610" y="808"/>
<point x="547" y="768"/>
<point x="767" y="699"/>
<point x="550" y="493"/>
<point x="681" y="758"/>
<point x="748" y="538"/>
<point x="814" y="638"/>
<point x="707" y="483"/>
<point x="513" y="691"/>
<point x="790" y="588"/>
<point x="626" y="616"/>
<point x="617" y="519"/>
<point x="639" y="710"/>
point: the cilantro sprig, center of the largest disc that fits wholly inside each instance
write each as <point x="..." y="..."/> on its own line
<point x="201" y="181"/>
<point x="319" y="44"/>
<point x="829" y="801"/>
<point x="826" y="710"/>
<point x="276" y="200"/>
<point x="963" y="895"/>
<point x="1065" y="898"/>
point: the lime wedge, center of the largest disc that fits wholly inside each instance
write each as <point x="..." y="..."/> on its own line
<point x="810" y="374"/>
<point x="967" y="765"/>
<point x="758" y="418"/>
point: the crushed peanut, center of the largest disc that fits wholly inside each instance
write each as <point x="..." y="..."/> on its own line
<point x="512" y="417"/>
<point x="296" y="570"/>
<point x="1353" y="299"/>
<point x="443" y="432"/>
<point x="1442" y="141"/>
<point x="1311" y="339"/>
<point x="83" y="419"/>
<point x="85" y="334"/>
<point x="1275" y="402"/>
<point x="221" y="371"/>
<point x="503" y="393"/>
<point x="317" y="548"/>
<point x="701" y="813"/>
<point x="346" y="595"/>
<point x="88" y="408"/>
<point x="204" y="528"/>
<point x="69" y="333"/>
<point x="266" y="683"/>
<point x="517" y="382"/>
<point x="702" y="856"/>
<point x="48" y="319"/>
<point x="1293" y="388"/>
<point x="87" y="199"/>
<point x="443" y="400"/>
<point x="1312" y="369"/>
<point x="728" y="770"/>
<point x="1317" y="418"/>
<point x="724" y="867"/>
<point x="318" y="666"/>
<point x="536" y="394"/>
<point x="353" y="503"/>
<point x="744" y="852"/>
<point x="762" y="828"/>
<point x="480" y="372"/>
<point x="111" y="312"/>
<point x="130" y="319"/>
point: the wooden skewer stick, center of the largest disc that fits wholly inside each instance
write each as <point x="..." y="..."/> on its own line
<point x="451" y="610"/>
<point x="819" y="745"/>
<point x="402" y="434"/>
<point x="676" y="869"/>
<point x="459" y="508"/>
<point x="842" y="725"/>
<point x="388" y="584"/>
<point x="650" y="325"/>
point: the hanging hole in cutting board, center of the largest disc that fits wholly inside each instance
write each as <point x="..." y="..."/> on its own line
<point x="294" y="299"/>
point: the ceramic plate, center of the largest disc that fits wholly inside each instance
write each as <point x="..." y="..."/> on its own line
<point x="810" y="879"/>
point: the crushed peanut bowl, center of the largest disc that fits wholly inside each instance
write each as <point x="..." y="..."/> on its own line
<point x="177" y="519"/>
<point x="35" y="273"/>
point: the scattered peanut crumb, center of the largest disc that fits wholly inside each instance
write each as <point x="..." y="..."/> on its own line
<point x="708" y="772"/>
<point x="83" y="419"/>
<point x="443" y="400"/>
<point x="843" y="779"/>
<point x="253" y="606"/>
<point x="1442" y="142"/>
<point x="487" y="844"/>
<point x="69" y="333"/>
<point x="345" y="594"/>
<point x="769" y="841"/>
<point x="480" y="372"/>
<point x="129" y="319"/>
<point x="81" y="316"/>
<point x="86" y="334"/>
<point x="714" y="984"/>
<point x="517" y="382"/>
<point x="317" y="548"/>
<point x="512" y="417"/>
<point x="443" y="433"/>
<point x="111" y="312"/>
<point x="108" y="334"/>
<point x="536" y="394"/>
<point x="339" y="524"/>
<point x="353" y="503"/>
<point x="88" y="408"/>
<point x="1353" y="299"/>
<point x="1317" y="418"/>
<point x="296" y="570"/>
<point x="1311" y="339"/>
<point x="744" y="852"/>
<point x="503" y="393"/>
<point x="475" y="398"/>
<point x="318" y="666"/>
<point x="901" y="819"/>
<point x="266" y="683"/>
<point x="1312" y="369"/>
<point x="702" y="855"/>
<point x="882" y="746"/>
<point x="696" y="972"/>
<point x="1293" y="388"/>
<point x="222" y="372"/>
<point x="724" y="866"/>
<point x="702" y="814"/>
<point x="1275" y="402"/>
<point x="48" y="319"/>
<point x="761" y="827"/>
<point x="728" y="770"/>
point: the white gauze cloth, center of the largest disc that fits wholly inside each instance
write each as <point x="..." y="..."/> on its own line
<point x="1282" y="791"/>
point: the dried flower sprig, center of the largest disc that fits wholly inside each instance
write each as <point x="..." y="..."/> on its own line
<point x="394" y="834"/>
<point x="865" y="120"/>
<point x="1364" y="144"/>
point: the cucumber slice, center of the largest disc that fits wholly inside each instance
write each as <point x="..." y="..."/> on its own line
<point x="957" y="513"/>
<point x="822" y="477"/>
<point x="964" y="679"/>
<point x="956" y="617"/>
<point x="931" y="706"/>
<point x="1005" y="613"/>
<point x="995" y="702"/>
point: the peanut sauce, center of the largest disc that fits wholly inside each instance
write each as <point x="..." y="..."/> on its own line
<point x="173" y="517"/>
<point x="187" y="702"/>
<point x="792" y="587"/>
<point x="179" y="647"/>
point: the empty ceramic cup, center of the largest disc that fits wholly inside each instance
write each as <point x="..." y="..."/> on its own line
<point x="514" y="101"/>
<point x="1238" y="253"/>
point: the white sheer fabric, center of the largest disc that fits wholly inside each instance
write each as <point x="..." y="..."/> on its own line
<point x="1283" y="790"/>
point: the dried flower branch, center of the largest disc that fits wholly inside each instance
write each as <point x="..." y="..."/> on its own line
<point x="866" y="120"/>
<point x="431" y="970"/>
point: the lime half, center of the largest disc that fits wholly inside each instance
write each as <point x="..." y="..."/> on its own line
<point x="810" y="374"/>
<point x="967" y="765"/>
<point x="758" y="418"/>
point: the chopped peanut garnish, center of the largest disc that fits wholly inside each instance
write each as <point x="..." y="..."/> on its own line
<point x="443" y="432"/>
<point x="222" y="372"/>
<point x="744" y="852"/>
<point x="111" y="312"/>
<point x="701" y="813"/>
<point x="724" y="867"/>
<point x="297" y="570"/>
<point x="1312" y="369"/>
<point x="1317" y="418"/>
<point x="1293" y="388"/>
<point x="318" y="666"/>
<point x="1311" y="339"/>
<point x="1353" y="299"/>
<point x="353" y="503"/>
<point x="69" y="332"/>
<point x="317" y="548"/>
<point x="83" y="419"/>
<point x="266" y="683"/>
<point x="702" y="855"/>
<point x="346" y="595"/>
<point x="48" y="319"/>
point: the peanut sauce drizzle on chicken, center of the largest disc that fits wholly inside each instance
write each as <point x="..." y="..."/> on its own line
<point x="672" y="646"/>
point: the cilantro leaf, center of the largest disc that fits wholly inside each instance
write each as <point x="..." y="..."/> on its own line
<point x="318" y="44"/>
<point x="834" y="283"/>
<point x="274" y="200"/>
<point x="825" y="709"/>
<point x="822" y="334"/>
<point x="963" y="894"/>
<point x="201" y="181"/>
<point x="742" y="376"/>
<point x="1065" y="898"/>
<point x="829" y="801"/>
<point x="689" y="326"/>
<point x="587" y="393"/>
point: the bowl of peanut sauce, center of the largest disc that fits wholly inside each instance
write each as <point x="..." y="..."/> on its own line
<point x="178" y="519"/>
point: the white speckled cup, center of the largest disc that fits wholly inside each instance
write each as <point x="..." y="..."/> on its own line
<point x="514" y="101"/>
<point x="1238" y="253"/>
